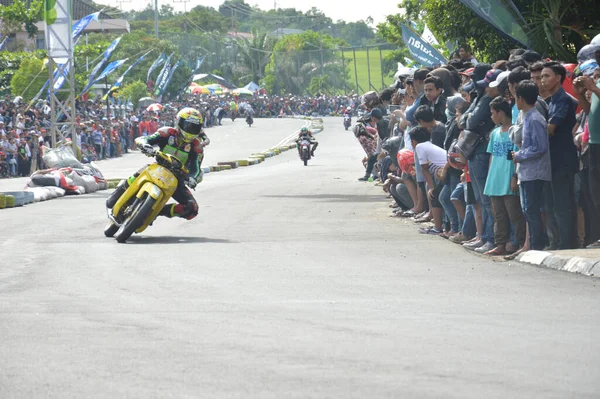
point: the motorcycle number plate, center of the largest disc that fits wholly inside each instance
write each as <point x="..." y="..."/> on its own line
<point x="164" y="176"/>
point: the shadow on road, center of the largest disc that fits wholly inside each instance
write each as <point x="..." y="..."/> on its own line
<point x="332" y="197"/>
<point x="177" y="240"/>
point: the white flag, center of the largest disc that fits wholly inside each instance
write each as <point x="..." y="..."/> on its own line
<point x="428" y="36"/>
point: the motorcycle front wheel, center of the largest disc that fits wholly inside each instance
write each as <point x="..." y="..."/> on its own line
<point x="136" y="219"/>
<point x="110" y="229"/>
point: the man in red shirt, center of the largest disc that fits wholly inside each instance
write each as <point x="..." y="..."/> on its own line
<point x="153" y="125"/>
<point x="144" y="126"/>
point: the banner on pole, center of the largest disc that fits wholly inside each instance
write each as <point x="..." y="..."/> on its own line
<point x="107" y="53"/>
<point x="158" y="62"/>
<point x="119" y="81"/>
<point x="428" y="36"/>
<point x="502" y="15"/>
<point x="162" y="76"/>
<point x="163" y="89"/>
<point x="113" y="66"/>
<point x="423" y="52"/>
<point x="80" y="25"/>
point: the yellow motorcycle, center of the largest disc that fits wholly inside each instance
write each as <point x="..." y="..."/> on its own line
<point x="141" y="203"/>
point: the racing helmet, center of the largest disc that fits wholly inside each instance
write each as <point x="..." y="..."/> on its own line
<point x="189" y="122"/>
<point x="588" y="52"/>
<point x="304" y="130"/>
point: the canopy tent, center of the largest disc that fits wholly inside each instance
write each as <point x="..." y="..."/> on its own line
<point x="252" y="87"/>
<point x="217" y="78"/>
<point x="243" y="92"/>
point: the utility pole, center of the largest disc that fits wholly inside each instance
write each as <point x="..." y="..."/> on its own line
<point x="156" y="18"/>
<point x="184" y="4"/>
<point x="121" y="3"/>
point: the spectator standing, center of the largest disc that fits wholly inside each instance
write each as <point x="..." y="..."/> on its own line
<point x="533" y="159"/>
<point x="563" y="153"/>
<point x="478" y="120"/>
<point x="418" y="84"/>
<point x="501" y="185"/>
<point x="583" y="84"/>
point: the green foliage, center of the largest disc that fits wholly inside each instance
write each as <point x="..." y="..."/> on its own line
<point x="449" y="20"/>
<point x="29" y="78"/>
<point x="297" y="59"/>
<point x="10" y="63"/>
<point x="205" y="18"/>
<point x="20" y="13"/>
<point x="556" y="28"/>
<point x="319" y="84"/>
<point x="133" y="91"/>
<point x="255" y="55"/>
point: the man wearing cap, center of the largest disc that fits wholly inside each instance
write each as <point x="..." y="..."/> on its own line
<point x="418" y="84"/>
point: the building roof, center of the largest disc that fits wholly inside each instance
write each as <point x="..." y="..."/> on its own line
<point x="244" y="35"/>
<point x="80" y="9"/>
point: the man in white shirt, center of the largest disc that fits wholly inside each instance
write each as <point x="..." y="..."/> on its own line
<point x="431" y="159"/>
<point x="20" y="125"/>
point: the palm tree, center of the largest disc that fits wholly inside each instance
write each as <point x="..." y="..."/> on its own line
<point x="255" y="53"/>
<point x="547" y="28"/>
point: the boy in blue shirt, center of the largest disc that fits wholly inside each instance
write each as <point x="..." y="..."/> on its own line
<point x="506" y="204"/>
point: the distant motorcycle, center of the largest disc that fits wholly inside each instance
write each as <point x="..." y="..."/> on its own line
<point x="249" y="120"/>
<point x="347" y="121"/>
<point x="305" y="151"/>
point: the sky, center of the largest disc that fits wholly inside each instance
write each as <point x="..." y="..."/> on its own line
<point x="335" y="9"/>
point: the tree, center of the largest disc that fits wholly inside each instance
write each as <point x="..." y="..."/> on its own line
<point x="10" y="62"/>
<point x="256" y="53"/>
<point x="555" y="28"/>
<point x="133" y="91"/>
<point x="29" y="78"/>
<point x="297" y="59"/>
<point x="19" y="14"/>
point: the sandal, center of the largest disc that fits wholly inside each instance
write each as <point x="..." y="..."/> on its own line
<point x="495" y="252"/>
<point x="424" y="219"/>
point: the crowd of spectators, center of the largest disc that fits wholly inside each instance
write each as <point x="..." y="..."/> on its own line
<point x="102" y="133"/>
<point x="499" y="158"/>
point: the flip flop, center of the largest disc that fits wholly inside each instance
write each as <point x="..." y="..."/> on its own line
<point x="495" y="252"/>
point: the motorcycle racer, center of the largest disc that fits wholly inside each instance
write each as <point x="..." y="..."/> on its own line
<point x="307" y="134"/>
<point x="185" y="142"/>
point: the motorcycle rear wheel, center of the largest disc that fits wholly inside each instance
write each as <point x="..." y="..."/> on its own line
<point x="136" y="219"/>
<point x="305" y="162"/>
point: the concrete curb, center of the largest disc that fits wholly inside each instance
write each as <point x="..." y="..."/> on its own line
<point x="253" y="159"/>
<point x="573" y="264"/>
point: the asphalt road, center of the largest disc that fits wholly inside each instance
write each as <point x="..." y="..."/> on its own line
<point x="291" y="283"/>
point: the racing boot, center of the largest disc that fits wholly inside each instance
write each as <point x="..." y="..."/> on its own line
<point x="114" y="197"/>
<point x="168" y="211"/>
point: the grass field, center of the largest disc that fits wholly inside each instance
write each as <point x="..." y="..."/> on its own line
<point x="362" y="70"/>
